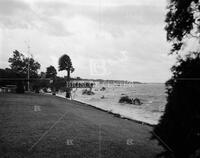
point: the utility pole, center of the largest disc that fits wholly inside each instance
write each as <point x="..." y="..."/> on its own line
<point x="28" y="70"/>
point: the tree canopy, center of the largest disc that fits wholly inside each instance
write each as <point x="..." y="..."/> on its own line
<point x="19" y="63"/>
<point x="182" y="21"/>
<point x="179" y="127"/>
<point x="51" y="72"/>
<point x="65" y="63"/>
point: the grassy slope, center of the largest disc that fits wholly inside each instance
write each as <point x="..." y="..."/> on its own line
<point x="94" y="132"/>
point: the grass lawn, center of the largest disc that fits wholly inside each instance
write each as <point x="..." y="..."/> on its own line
<point x="37" y="126"/>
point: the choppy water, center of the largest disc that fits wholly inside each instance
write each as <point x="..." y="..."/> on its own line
<point x="152" y="96"/>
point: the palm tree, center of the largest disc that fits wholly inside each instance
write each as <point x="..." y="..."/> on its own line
<point x="65" y="63"/>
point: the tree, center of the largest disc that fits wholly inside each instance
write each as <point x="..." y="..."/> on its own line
<point x="34" y="66"/>
<point x="19" y="63"/>
<point x="51" y="73"/>
<point x="60" y="81"/>
<point x="66" y="64"/>
<point x="179" y="128"/>
<point x="181" y="22"/>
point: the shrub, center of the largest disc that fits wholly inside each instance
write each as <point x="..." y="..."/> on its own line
<point x="179" y="126"/>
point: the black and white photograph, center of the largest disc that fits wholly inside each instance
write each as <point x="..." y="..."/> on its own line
<point x="99" y="79"/>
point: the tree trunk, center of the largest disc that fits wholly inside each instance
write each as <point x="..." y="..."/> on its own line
<point x="68" y="75"/>
<point x="68" y="89"/>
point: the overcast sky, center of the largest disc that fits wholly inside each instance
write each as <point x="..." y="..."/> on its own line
<point x="108" y="39"/>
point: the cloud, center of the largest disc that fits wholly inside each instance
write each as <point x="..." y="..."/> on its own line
<point x="12" y="14"/>
<point x="11" y="7"/>
<point x="111" y="14"/>
<point x="131" y="14"/>
<point x="106" y="2"/>
<point x="20" y="14"/>
<point x="51" y="17"/>
<point x="127" y="36"/>
<point x="114" y="19"/>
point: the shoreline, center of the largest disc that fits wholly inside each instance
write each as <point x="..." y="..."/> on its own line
<point x="109" y="112"/>
<point x="115" y="114"/>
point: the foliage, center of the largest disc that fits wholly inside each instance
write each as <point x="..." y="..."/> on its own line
<point x="179" y="126"/>
<point x="51" y="72"/>
<point x="19" y="63"/>
<point x="181" y="20"/>
<point x="33" y="67"/>
<point x="60" y="84"/>
<point x="40" y="83"/>
<point x="17" y="74"/>
<point x="8" y="77"/>
<point x="178" y="129"/>
<point x="65" y="63"/>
